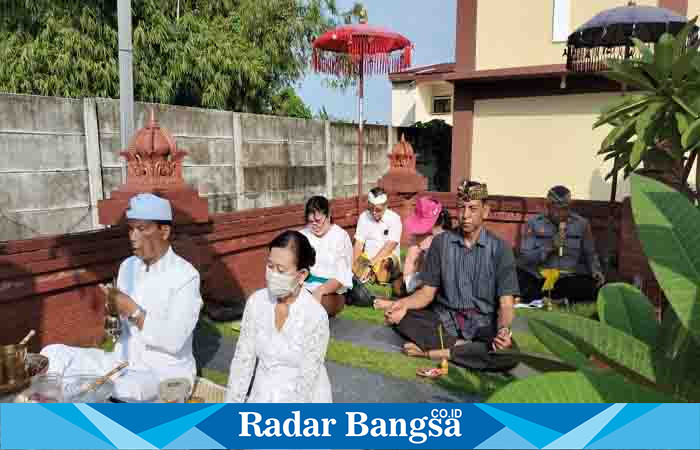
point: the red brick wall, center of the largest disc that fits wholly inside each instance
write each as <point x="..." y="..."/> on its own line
<point x="633" y="261"/>
<point x="509" y="214"/>
<point x="50" y="284"/>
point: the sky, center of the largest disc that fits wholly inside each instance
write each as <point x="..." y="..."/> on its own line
<point x="429" y="24"/>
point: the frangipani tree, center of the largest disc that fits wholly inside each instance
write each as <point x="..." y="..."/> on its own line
<point x="659" y="123"/>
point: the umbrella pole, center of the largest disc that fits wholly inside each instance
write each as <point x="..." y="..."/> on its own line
<point x="360" y="142"/>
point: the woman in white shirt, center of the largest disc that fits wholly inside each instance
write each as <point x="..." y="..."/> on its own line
<point x="331" y="276"/>
<point x="286" y="330"/>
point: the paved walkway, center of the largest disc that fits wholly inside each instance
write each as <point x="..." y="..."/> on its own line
<point x="351" y="384"/>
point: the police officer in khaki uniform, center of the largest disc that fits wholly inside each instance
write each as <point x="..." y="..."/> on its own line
<point x="559" y="239"/>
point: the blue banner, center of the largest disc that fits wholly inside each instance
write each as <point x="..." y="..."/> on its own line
<point x="347" y="425"/>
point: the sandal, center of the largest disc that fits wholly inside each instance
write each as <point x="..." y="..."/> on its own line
<point x="429" y="372"/>
<point x="414" y="351"/>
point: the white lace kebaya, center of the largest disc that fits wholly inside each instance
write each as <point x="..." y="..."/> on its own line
<point x="290" y="361"/>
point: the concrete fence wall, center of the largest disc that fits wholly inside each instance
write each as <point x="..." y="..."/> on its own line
<point x="59" y="156"/>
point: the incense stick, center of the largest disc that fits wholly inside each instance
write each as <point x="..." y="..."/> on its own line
<point x="27" y="337"/>
<point x="87" y="387"/>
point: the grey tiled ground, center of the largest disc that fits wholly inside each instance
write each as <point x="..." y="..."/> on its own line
<point x="376" y="337"/>
<point x="353" y="385"/>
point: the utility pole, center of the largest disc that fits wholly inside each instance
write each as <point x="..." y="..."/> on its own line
<point x="126" y="77"/>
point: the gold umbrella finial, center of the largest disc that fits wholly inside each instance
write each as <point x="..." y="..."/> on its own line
<point x="363" y="15"/>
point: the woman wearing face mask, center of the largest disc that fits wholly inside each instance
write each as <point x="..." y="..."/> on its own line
<point x="285" y="328"/>
<point x="331" y="276"/>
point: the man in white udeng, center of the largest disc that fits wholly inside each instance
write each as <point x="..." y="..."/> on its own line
<point x="376" y="251"/>
<point x="157" y="296"/>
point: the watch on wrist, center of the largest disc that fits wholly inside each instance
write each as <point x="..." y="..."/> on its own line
<point x="136" y="315"/>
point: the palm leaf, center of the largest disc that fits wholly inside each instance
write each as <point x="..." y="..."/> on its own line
<point x="676" y="343"/>
<point x="624" y="307"/>
<point x="630" y="356"/>
<point x="652" y="71"/>
<point x="644" y="124"/>
<point x="629" y="75"/>
<point x="680" y="102"/>
<point x="558" y="345"/>
<point x="681" y="38"/>
<point x="539" y="361"/>
<point x="637" y="152"/>
<point x="667" y="225"/>
<point x="625" y="108"/>
<point x="644" y="50"/>
<point x="691" y="136"/>
<point x="620" y="133"/>
<point x="682" y="122"/>
<point x="617" y="151"/>
<point x="620" y="163"/>
<point x="682" y="66"/>
<point x="663" y="53"/>
<point x="577" y="387"/>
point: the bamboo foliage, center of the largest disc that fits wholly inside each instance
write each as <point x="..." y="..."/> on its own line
<point x="243" y="55"/>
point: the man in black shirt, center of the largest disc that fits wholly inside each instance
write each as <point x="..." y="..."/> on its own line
<point x="470" y="283"/>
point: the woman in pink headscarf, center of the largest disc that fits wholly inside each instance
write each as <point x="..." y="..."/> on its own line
<point x="427" y="221"/>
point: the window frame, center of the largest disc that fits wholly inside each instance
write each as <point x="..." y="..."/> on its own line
<point x="441" y="97"/>
<point x="561" y="20"/>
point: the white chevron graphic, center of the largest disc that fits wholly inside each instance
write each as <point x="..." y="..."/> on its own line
<point x="120" y="436"/>
<point x="580" y="436"/>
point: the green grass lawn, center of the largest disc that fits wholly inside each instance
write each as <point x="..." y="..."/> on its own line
<point x="370" y="315"/>
<point x="216" y="376"/>
<point x="526" y="341"/>
<point x="459" y="381"/>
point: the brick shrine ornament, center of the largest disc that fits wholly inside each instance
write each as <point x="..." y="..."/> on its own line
<point x="153" y="158"/>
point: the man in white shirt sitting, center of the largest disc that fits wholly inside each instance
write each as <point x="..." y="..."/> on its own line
<point x="157" y="296"/>
<point x="376" y="251"/>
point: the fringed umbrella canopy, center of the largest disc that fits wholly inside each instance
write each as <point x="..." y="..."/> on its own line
<point x="361" y="49"/>
<point x="356" y="51"/>
<point x="609" y="35"/>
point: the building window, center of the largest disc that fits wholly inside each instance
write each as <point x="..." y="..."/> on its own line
<point x="561" y="17"/>
<point x="442" y="105"/>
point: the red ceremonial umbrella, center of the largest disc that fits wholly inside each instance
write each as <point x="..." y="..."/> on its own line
<point x="356" y="51"/>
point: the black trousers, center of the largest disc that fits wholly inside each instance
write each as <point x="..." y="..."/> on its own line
<point x="421" y="328"/>
<point x="359" y="295"/>
<point x="577" y="288"/>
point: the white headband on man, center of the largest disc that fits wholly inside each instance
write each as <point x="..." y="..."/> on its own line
<point x="378" y="199"/>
